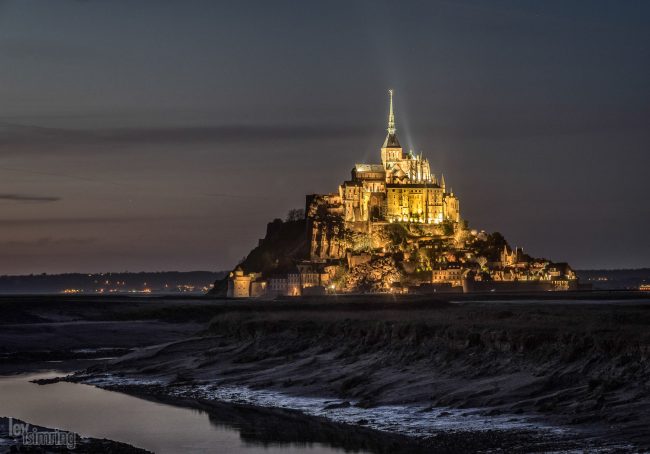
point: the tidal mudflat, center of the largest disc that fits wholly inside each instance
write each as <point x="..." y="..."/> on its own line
<point x="371" y="374"/>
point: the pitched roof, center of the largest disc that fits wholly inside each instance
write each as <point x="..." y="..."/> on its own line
<point x="391" y="141"/>
<point x="369" y="167"/>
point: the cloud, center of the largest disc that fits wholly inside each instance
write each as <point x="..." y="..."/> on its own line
<point x="16" y="135"/>
<point x="89" y="220"/>
<point x="230" y="134"/>
<point x="47" y="241"/>
<point x="479" y="122"/>
<point x="66" y="176"/>
<point x="29" y="198"/>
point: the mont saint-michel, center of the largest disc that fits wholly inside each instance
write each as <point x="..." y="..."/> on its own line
<point x="395" y="226"/>
<point x="309" y="227"/>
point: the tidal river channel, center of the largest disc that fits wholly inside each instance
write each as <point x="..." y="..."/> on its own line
<point x="157" y="427"/>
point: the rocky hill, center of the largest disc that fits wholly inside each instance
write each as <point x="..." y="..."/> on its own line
<point x="285" y="243"/>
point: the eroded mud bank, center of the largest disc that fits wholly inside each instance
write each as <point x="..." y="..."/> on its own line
<point x="550" y="369"/>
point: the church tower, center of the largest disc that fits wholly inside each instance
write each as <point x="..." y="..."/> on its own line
<point x="391" y="150"/>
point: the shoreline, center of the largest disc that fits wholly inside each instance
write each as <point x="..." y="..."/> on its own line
<point x="359" y="435"/>
<point x="250" y="419"/>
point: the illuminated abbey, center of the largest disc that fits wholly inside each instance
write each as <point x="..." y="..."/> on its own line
<point x="400" y="189"/>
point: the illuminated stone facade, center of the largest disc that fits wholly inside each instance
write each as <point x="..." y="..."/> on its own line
<point x="400" y="189"/>
<point x="239" y="284"/>
<point x="452" y="275"/>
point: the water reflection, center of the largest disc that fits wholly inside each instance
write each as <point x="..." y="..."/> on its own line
<point x="263" y="427"/>
<point x="162" y="428"/>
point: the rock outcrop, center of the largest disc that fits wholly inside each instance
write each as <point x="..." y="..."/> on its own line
<point x="285" y="243"/>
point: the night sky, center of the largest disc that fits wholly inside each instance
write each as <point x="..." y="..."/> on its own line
<point x="164" y="135"/>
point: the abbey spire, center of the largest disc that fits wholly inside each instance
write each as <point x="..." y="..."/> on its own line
<point x="391" y="116"/>
<point x="391" y="138"/>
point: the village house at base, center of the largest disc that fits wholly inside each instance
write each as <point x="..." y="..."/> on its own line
<point x="394" y="226"/>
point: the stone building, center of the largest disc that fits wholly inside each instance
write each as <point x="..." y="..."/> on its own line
<point x="239" y="284"/>
<point x="452" y="275"/>
<point x="278" y="285"/>
<point x="401" y="188"/>
<point x="509" y="258"/>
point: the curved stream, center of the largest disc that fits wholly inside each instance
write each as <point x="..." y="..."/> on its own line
<point x="161" y="428"/>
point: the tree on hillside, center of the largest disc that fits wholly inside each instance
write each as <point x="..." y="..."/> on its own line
<point x="491" y="247"/>
<point x="295" y="214"/>
<point x="447" y="228"/>
<point x="482" y="261"/>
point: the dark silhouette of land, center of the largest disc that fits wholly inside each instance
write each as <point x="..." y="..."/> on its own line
<point x="123" y="282"/>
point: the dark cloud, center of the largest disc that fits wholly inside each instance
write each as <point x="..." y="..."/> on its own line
<point x="29" y="198"/>
<point x="479" y="122"/>
<point x="46" y="241"/>
<point x="87" y="220"/>
<point x="13" y="135"/>
<point x="66" y="176"/>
